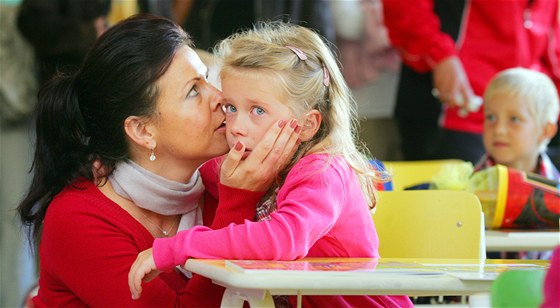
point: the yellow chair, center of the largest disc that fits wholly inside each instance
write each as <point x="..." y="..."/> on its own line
<point x="410" y="173"/>
<point x="430" y="224"/>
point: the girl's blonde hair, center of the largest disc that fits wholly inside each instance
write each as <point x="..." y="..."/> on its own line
<point x="268" y="47"/>
<point x="534" y="88"/>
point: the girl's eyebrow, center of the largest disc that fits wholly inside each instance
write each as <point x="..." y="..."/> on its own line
<point x="257" y="102"/>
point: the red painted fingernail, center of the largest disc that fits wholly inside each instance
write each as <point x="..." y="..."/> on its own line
<point x="297" y="129"/>
<point x="293" y="123"/>
<point x="281" y="123"/>
<point x="238" y="146"/>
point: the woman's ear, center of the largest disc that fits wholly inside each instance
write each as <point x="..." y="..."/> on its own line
<point x="311" y="125"/>
<point x="139" y="131"/>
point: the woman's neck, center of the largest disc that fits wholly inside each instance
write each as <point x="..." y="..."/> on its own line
<point x="170" y="170"/>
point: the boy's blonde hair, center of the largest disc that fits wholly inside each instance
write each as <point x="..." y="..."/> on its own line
<point x="533" y="87"/>
<point x="264" y="48"/>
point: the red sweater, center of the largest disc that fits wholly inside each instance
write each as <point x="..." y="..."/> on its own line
<point x="89" y="243"/>
<point x="491" y="38"/>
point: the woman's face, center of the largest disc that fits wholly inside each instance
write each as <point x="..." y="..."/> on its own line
<point x="189" y="123"/>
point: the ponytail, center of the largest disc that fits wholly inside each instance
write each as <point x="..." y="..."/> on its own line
<point x="61" y="151"/>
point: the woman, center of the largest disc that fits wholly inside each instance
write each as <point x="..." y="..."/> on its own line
<point x="118" y="149"/>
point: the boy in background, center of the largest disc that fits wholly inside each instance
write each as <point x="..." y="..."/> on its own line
<point x="520" y="112"/>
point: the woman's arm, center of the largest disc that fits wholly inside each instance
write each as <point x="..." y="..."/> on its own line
<point x="87" y="250"/>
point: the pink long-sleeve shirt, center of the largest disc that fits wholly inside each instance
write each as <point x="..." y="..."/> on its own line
<point x="321" y="212"/>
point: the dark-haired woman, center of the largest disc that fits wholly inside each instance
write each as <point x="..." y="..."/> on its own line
<point x="118" y="151"/>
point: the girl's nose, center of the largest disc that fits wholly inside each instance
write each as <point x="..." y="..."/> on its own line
<point x="235" y="126"/>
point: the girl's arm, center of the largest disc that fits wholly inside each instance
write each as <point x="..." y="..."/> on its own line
<point x="309" y="205"/>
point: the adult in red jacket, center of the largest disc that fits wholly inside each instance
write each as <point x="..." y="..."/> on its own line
<point x="450" y="50"/>
<point x="118" y="150"/>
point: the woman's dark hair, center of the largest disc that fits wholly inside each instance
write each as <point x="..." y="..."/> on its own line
<point x="80" y="118"/>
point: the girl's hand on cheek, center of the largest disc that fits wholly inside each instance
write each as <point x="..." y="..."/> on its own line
<point x="260" y="168"/>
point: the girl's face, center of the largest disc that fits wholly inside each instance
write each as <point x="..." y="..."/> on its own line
<point x="511" y="134"/>
<point x="188" y="125"/>
<point x="253" y="102"/>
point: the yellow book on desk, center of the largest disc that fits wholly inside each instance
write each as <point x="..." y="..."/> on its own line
<point x="318" y="266"/>
<point x="463" y="269"/>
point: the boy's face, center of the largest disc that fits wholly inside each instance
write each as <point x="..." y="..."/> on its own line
<point x="253" y="102"/>
<point x="511" y="135"/>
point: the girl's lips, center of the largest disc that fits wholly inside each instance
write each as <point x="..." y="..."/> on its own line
<point x="247" y="152"/>
<point x="500" y="144"/>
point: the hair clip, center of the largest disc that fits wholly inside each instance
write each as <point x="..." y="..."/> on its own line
<point x="298" y="52"/>
<point x="326" y="76"/>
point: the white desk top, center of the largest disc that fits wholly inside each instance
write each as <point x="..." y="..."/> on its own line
<point x="517" y="240"/>
<point x="413" y="277"/>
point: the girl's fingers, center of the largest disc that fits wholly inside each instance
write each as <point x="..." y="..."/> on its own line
<point x="259" y="169"/>
<point x="232" y="159"/>
<point x="284" y="148"/>
<point x="266" y="145"/>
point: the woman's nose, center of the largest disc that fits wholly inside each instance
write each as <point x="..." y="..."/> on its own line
<point x="217" y="99"/>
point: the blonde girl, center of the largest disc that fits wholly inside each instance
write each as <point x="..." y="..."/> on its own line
<point x="319" y="205"/>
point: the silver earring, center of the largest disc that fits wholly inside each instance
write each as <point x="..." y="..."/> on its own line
<point x="153" y="155"/>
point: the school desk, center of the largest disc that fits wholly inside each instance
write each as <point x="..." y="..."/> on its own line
<point x="257" y="281"/>
<point x="521" y="240"/>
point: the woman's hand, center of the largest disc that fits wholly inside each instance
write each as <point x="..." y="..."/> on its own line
<point x="143" y="270"/>
<point x="259" y="169"/>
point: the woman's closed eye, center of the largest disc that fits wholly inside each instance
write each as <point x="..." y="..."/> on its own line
<point x="193" y="92"/>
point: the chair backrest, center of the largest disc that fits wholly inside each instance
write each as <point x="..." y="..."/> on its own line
<point x="518" y="288"/>
<point x="410" y="173"/>
<point x="430" y="224"/>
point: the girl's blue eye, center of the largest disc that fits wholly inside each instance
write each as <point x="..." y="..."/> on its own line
<point x="230" y="108"/>
<point x="490" y="117"/>
<point x="258" y="111"/>
<point x="515" y="119"/>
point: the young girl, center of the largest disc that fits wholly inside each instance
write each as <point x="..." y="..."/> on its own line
<point x="320" y="204"/>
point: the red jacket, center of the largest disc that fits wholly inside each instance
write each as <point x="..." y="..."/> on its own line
<point x="89" y="243"/>
<point x="491" y="37"/>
